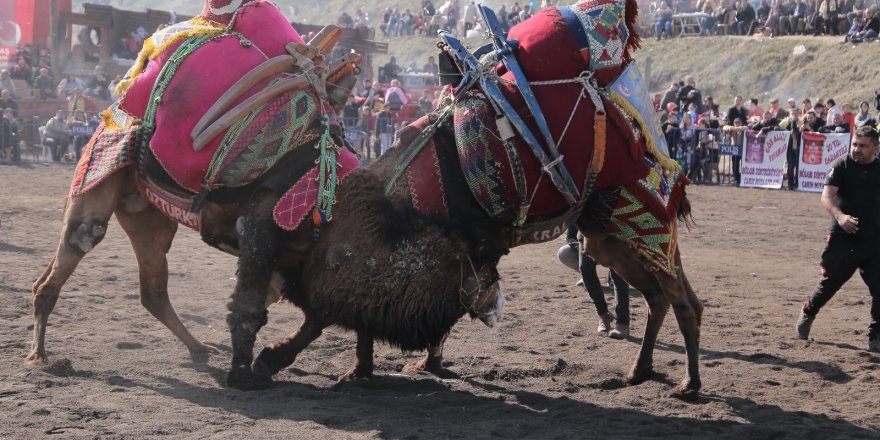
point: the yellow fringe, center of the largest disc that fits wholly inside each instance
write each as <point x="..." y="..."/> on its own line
<point x="664" y="160"/>
<point x="168" y="36"/>
<point x="598" y="161"/>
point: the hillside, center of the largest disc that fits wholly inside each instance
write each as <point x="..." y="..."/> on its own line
<point x="722" y="66"/>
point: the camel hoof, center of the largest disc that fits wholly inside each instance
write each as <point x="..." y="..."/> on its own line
<point x="355" y="374"/>
<point x="430" y="365"/>
<point x="35" y="360"/>
<point x="638" y="375"/>
<point x="243" y="378"/>
<point x="686" y="390"/>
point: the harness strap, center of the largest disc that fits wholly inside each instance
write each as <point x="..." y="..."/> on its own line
<point x="505" y="53"/>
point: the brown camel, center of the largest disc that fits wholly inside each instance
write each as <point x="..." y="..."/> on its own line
<point x="241" y="223"/>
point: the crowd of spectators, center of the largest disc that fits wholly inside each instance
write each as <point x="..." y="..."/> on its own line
<point x="695" y="127"/>
<point x="856" y="20"/>
<point x="450" y="15"/>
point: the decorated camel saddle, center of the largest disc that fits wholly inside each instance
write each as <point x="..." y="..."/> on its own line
<point x="553" y="119"/>
<point x="214" y="103"/>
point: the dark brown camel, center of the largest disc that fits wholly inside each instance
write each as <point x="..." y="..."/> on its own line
<point x="324" y="296"/>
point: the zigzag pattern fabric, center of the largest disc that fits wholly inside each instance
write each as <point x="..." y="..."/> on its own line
<point x="654" y="238"/>
<point x="257" y="142"/>
<point x="478" y="152"/>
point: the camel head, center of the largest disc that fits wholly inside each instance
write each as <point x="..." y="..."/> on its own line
<point x="481" y="294"/>
<point x="341" y="80"/>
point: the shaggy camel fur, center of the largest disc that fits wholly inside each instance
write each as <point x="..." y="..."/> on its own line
<point x="388" y="273"/>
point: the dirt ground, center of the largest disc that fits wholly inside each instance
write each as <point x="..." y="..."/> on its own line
<point x="116" y="372"/>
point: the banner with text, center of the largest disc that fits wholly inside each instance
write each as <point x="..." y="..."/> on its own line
<point x="764" y="159"/>
<point x="818" y="151"/>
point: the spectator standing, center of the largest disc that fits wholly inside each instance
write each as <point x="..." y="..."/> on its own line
<point x="792" y="158"/>
<point x="7" y="83"/>
<point x="767" y="123"/>
<point x="8" y="102"/>
<point x="431" y="66"/>
<point x="426" y="102"/>
<point x="852" y="197"/>
<point x="863" y="117"/>
<point x="367" y="94"/>
<point x="469" y="15"/>
<point x="75" y="102"/>
<point x="571" y="256"/>
<point x="10" y="135"/>
<point x="792" y="110"/>
<point x="755" y="110"/>
<point x="670" y="95"/>
<point x="812" y="122"/>
<point x="808" y="107"/>
<point x="391" y="70"/>
<point x="79" y="132"/>
<point x="734" y="135"/>
<point x="776" y="111"/>
<point x="395" y="97"/>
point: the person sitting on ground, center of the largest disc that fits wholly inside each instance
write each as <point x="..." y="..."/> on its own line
<point x="870" y="29"/>
<point x="837" y="125"/>
<point x="854" y="30"/>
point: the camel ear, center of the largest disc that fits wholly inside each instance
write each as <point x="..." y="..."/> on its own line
<point x="326" y="39"/>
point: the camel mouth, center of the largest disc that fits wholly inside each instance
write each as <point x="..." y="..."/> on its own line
<point x="492" y="317"/>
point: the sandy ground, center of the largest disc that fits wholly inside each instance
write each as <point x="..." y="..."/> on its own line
<point x="116" y="372"/>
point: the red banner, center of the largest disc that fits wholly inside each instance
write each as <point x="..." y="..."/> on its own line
<point x="25" y="22"/>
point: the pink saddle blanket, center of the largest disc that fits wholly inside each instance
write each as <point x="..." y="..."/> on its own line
<point x="259" y="31"/>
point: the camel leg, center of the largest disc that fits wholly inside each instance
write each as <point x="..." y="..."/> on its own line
<point x="85" y="223"/>
<point x="689" y="313"/>
<point x="259" y="246"/>
<point x="282" y="354"/>
<point x="657" y="308"/>
<point x="432" y="361"/>
<point x="363" y="364"/>
<point x="150" y="234"/>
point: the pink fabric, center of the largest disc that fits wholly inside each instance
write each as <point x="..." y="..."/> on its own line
<point x="299" y="200"/>
<point x="200" y="80"/>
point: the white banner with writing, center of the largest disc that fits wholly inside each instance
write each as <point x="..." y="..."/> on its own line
<point x="818" y="151"/>
<point x="764" y="159"/>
